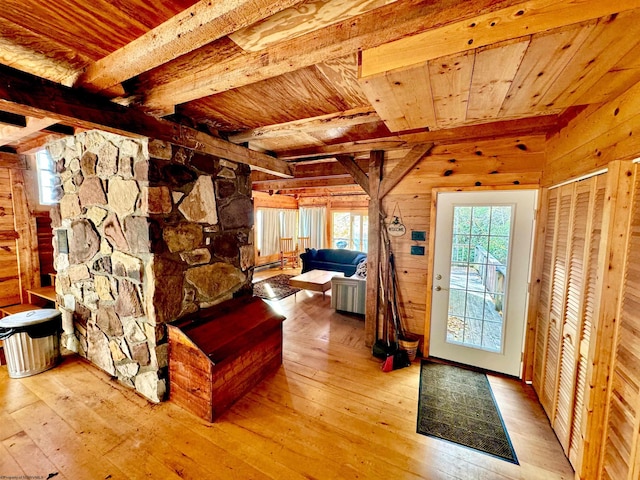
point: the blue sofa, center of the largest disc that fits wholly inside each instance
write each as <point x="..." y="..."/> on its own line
<point x="332" y="259"/>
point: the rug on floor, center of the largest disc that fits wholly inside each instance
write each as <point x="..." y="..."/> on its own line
<point x="458" y="405"/>
<point x="274" y="288"/>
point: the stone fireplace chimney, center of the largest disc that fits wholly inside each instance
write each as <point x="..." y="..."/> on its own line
<point x="145" y="233"/>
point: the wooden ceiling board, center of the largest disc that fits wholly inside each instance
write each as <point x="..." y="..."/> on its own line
<point x="93" y="29"/>
<point x="493" y="73"/>
<point x="380" y="92"/>
<point x="298" y="20"/>
<point x="342" y="74"/>
<point x="38" y="55"/>
<point x="300" y="94"/>
<point x="545" y="58"/>
<point x="451" y="85"/>
<point x="514" y="21"/>
<point x="616" y="81"/>
<point x="611" y="39"/>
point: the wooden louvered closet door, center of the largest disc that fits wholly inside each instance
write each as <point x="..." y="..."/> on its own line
<point x="566" y="306"/>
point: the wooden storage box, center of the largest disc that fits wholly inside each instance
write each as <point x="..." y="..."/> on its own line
<point x="218" y="354"/>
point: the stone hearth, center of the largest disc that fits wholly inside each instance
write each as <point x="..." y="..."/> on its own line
<point x="145" y="233"/>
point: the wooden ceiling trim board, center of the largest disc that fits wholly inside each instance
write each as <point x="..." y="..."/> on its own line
<point x="546" y="56"/>
<point x="69" y="106"/>
<point x="412" y="158"/>
<point x="203" y="23"/>
<point x="451" y="85"/>
<point x="610" y="40"/>
<point x="470" y="133"/>
<point x="493" y="73"/>
<point x="10" y="134"/>
<point x="355" y="171"/>
<point x="296" y="21"/>
<point x="525" y="18"/>
<point x="347" y="118"/>
<point x="415" y="95"/>
<point x="175" y="82"/>
<point x="12" y="160"/>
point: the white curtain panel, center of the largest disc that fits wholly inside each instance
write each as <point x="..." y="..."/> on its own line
<point x="313" y="224"/>
<point x="268" y="228"/>
<point x="289" y="224"/>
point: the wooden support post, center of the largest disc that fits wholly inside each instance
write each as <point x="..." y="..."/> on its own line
<point x="611" y="261"/>
<point x="373" y="255"/>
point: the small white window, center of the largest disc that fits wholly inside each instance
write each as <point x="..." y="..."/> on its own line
<point x="46" y="178"/>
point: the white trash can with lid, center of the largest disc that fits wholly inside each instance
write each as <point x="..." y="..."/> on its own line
<point x="31" y="341"/>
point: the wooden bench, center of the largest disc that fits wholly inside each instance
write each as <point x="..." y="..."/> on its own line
<point x="40" y="294"/>
<point x="218" y="354"/>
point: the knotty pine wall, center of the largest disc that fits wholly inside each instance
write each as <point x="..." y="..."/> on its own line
<point x="606" y="136"/>
<point x="19" y="266"/>
<point x="504" y="163"/>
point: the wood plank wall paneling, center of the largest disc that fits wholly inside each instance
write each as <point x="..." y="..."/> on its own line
<point x="621" y="451"/>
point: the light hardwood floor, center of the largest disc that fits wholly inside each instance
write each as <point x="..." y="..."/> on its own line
<point x="329" y="413"/>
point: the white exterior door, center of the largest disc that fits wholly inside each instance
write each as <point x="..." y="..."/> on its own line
<point x="482" y="259"/>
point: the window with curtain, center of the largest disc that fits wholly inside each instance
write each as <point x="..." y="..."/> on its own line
<point x="313" y="224"/>
<point x="273" y="224"/>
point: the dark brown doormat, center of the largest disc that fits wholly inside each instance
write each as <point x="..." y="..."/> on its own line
<point x="274" y="288"/>
<point x="458" y="405"/>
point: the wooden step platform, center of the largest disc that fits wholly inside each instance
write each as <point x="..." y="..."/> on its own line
<point x="218" y="354"/>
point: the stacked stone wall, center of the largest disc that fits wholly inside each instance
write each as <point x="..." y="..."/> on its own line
<point x="145" y="232"/>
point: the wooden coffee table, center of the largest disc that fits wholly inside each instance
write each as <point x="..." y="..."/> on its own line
<point x="315" y="280"/>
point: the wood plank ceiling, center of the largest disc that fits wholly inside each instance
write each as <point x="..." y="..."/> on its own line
<point x="299" y="82"/>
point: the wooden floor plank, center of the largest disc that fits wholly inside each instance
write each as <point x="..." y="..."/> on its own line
<point x="328" y="412"/>
<point x="31" y="459"/>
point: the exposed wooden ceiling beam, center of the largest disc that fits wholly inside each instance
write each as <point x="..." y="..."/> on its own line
<point x="355" y="171"/>
<point x="294" y="183"/>
<point x="501" y="129"/>
<point x="73" y="107"/>
<point x="348" y="118"/>
<point x="196" y="26"/>
<point x="10" y="133"/>
<point x="183" y="81"/>
<point x="401" y="169"/>
<point x="526" y="18"/>
<point x="8" y="118"/>
<point x="316" y="170"/>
